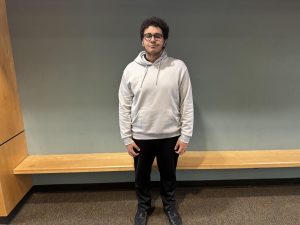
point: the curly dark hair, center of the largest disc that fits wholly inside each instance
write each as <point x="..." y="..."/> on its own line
<point x="156" y="22"/>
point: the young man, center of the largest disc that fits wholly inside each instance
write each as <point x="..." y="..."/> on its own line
<point x="156" y="117"/>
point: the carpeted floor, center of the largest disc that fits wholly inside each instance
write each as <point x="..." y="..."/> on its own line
<point x="248" y="205"/>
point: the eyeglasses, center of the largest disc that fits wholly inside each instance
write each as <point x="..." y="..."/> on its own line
<point x="157" y="36"/>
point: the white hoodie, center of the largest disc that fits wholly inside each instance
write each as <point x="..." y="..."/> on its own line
<point x="155" y="100"/>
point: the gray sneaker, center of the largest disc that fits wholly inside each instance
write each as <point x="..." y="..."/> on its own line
<point x="141" y="217"/>
<point x="173" y="216"/>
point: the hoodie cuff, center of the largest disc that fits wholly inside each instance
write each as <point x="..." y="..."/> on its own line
<point x="184" y="138"/>
<point x="127" y="141"/>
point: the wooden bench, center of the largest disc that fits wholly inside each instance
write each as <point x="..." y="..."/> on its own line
<point x="191" y="160"/>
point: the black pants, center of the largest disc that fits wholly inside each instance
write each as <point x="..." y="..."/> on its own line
<point x="166" y="157"/>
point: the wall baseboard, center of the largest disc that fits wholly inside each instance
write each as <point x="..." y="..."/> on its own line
<point x="155" y="184"/>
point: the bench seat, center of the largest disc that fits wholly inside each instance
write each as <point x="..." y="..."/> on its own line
<point x="191" y="160"/>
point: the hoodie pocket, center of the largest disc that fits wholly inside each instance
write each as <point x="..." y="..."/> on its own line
<point x="155" y="122"/>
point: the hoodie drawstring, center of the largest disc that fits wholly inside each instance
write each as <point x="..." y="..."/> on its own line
<point x="146" y="70"/>
<point x="141" y="60"/>
<point x="158" y="72"/>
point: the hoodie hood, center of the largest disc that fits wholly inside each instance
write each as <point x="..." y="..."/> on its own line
<point x="141" y="60"/>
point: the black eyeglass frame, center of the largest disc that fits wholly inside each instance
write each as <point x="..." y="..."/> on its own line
<point x="157" y="36"/>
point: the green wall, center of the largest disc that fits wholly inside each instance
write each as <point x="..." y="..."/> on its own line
<point x="243" y="58"/>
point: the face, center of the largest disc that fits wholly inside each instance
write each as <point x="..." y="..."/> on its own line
<point x="153" y="40"/>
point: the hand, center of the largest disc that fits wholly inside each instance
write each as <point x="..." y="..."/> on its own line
<point x="133" y="149"/>
<point x="180" y="147"/>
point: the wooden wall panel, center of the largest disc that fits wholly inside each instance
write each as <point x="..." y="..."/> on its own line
<point x="2" y="208"/>
<point x="13" y="148"/>
<point x="13" y="187"/>
<point x="11" y="122"/>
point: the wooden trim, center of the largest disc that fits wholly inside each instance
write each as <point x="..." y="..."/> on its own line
<point x="192" y="160"/>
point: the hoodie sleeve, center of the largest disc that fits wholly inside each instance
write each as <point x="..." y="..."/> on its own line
<point x="186" y="108"/>
<point x="125" y="102"/>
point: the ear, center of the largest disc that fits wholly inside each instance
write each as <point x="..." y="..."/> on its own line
<point x="165" y="43"/>
<point x="142" y="43"/>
